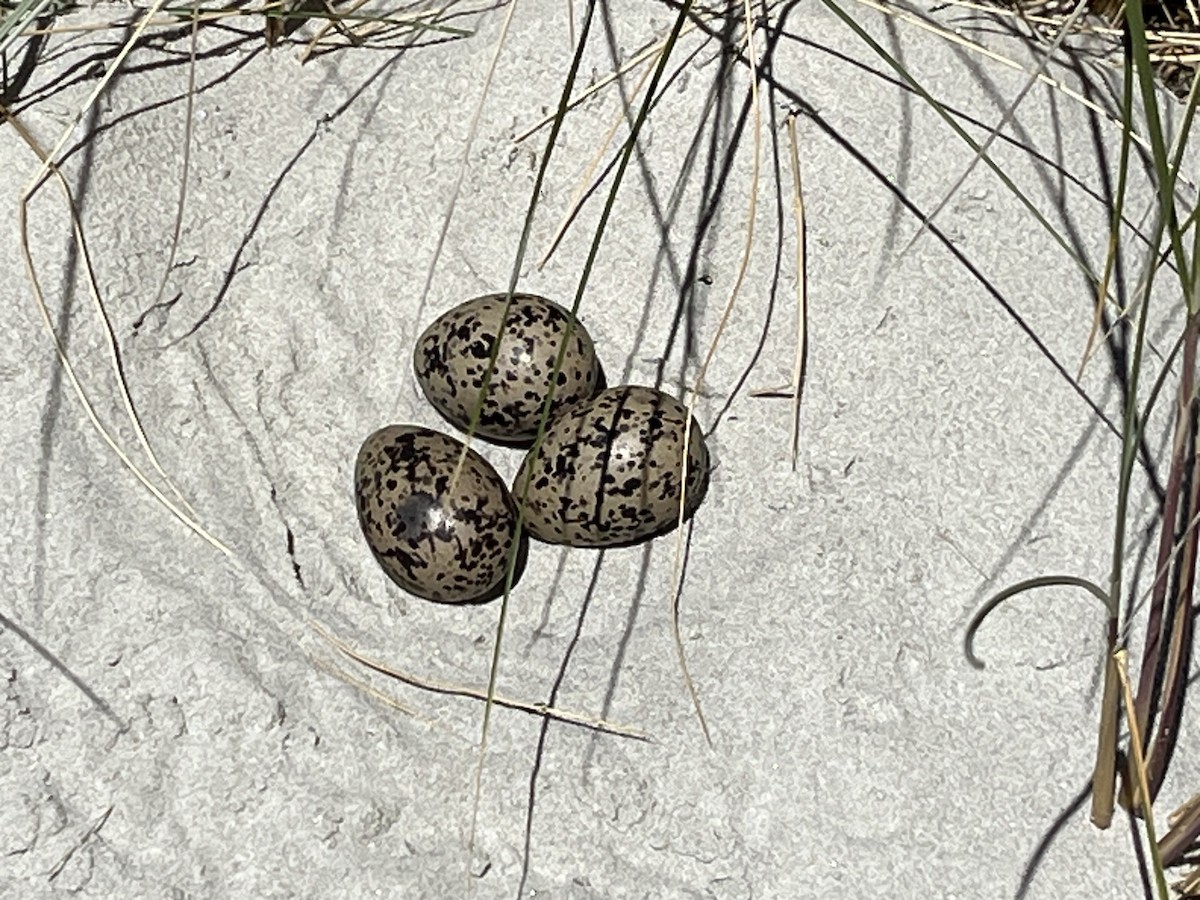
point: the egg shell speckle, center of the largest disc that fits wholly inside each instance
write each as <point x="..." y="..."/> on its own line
<point x="442" y="541"/>
<point x="452" y="355"/>
<point x="608" y="470"/>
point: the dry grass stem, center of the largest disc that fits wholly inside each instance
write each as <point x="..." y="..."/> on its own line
<point x="586" y="180"/>
<point x="454" y="690"/>
<point x="652" y="52"/>
<point x="1120" y="660"/>
<point x="800" y="361"/>
<point x="181" y="510"/>
<point x="982" y="150"/>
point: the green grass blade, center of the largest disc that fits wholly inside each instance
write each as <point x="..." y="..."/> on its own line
<point x="1165" y="173"/>
<point x="14" y="23"/>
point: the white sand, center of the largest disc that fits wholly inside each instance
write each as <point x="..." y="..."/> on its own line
<point x="942" y="458"/>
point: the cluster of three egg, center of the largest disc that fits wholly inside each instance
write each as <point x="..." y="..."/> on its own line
<point x="609" y="470"/>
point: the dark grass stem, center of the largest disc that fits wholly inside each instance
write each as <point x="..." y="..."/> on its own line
<point x="1183" y="456"/>
<point x="1178" y="651"/>
<point x="1162" y="683"/>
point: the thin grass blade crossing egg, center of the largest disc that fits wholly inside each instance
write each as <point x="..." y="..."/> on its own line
<point x="610" y="470"/>
<point x="452" y="356"/>
<point x="440" y="538"/>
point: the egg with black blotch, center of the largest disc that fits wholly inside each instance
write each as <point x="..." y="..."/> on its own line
<point x="609" y="471"/>
<point x="452" y="357"/>
<point x="440" y="536"/>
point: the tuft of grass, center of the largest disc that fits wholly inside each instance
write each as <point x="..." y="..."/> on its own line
<point x="1152" y="714"/>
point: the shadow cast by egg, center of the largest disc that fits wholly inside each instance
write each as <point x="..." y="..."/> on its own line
<point x="495" y="593"/>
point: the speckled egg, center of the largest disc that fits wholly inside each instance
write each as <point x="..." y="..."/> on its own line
<point x="441" y="539"/>
<point x="452" y="356"/>
<point x="608" y="471"/>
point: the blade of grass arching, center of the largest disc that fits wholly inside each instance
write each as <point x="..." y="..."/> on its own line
<point x="434" y="686"/>
<point x="1121" y="662"/>
<point x="1104" y="774"/>
<point x="518" y="261"/>
<point x="468" y="144"/>
<point x="958" y="129"/>
<point x="800" y="362"/>
<point x="1021" y="587"/>
<point x="48" y="169"/>
<point x="1080" y="8"/>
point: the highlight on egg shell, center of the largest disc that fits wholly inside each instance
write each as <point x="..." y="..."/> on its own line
<point x="609" y="470"/>
<point x="438" y="537"/>
<point x="452" y="357"/>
